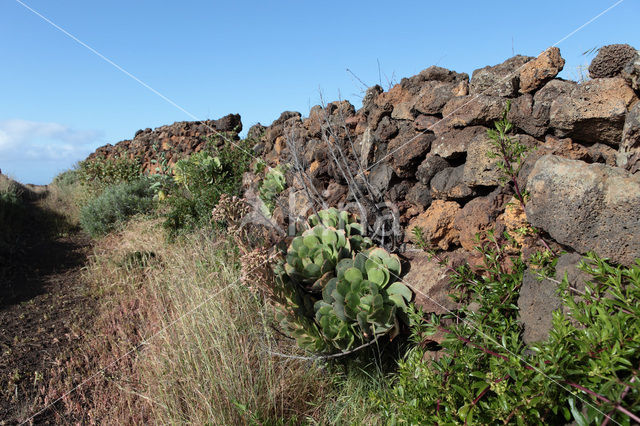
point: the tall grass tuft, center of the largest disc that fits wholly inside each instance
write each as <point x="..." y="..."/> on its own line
<point x="202" y="344"/>
<point x="211" y="364"/>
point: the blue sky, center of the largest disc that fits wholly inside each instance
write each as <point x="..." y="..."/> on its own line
<point x="256" y="58"/>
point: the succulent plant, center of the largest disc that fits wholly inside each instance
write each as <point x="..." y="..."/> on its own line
<point x="272" y="185"/>
<point x="336" y="290"/>
<point x="362" y="299"/>
<point x="312" y="257"/>
<point x="334" y="218"/>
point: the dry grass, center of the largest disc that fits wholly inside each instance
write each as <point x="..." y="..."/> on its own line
<point x="64" y="199"/>
<point x="201" y="340"/>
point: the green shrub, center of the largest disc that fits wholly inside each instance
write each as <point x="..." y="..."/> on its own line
<point x="12" y="211"/>
<point x="200" y="180"/>
<point x="99" y="173"/>
<point x="115" y="205"/>
<point x="334" y="290"/>
<point x="272" y="185"/>
<point x="487" y="375"/>
<point x="67" y="178"/>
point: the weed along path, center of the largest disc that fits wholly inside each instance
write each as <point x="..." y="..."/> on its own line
<point x="44" y="307"/>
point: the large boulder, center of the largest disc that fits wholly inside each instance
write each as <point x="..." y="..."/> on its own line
<point x="588" y="207"/>
<point x="594" y="111"/>
<point x="611" y="60"/>
<point x="536" y="73"/>
<point x="499" y="80"/>
<point x="629" y="153"/>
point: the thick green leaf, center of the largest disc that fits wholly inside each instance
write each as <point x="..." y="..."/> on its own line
<point x="353" y="275"/>
<point x="400" y="289"/>
<point x="380" y="276"/>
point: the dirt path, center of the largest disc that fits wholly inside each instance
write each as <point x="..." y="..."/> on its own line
<point x="44" y="307"/>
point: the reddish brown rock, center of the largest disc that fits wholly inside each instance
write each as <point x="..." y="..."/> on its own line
<point x="431" y="284"/>
<point x="437" y="224"/>
<point x="536" y="73"/>
<point x="478" y="216"/>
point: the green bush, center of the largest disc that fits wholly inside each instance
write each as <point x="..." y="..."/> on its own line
<point x="115" y="205"/>
<point x="487" y="375"/>
<point x="99" y="173"/>
<point x="272" y="185"/>
<point x="200" y="180"/>
<point x="12" y="211"/>
<point x="67" y="178"/>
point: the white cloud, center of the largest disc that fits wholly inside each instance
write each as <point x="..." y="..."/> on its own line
<point x="44" y="141"/>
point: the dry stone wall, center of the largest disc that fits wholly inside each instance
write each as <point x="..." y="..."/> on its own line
<point x="416" y="155"/>
<point x="171" y="142"/>
<point x="422" y="148"/>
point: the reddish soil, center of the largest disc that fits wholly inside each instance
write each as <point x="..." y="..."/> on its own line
<point x="44" y="307"/>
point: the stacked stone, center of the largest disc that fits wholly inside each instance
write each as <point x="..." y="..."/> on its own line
<point x="172" y="142"/>
<point x="423" y="145"/>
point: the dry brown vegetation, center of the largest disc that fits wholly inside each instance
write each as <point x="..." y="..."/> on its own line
<point x="178" y="339"/>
